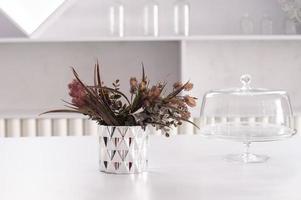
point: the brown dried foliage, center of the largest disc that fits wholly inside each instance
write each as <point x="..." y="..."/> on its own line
<point x="147" y="106"/>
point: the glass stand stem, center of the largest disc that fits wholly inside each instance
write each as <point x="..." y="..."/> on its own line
<point x="246" y="156"/>
<point x="247" y="148"/>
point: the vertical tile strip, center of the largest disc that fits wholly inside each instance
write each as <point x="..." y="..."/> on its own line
<point x="173" y="131"/>
<point x="210" y="120"/>
<point x="198" y="122"/>
<point x="218" y="120"/>
<point x="59" y="127"/>
<point x="153" y="131"/>
<point x="90" y="127"/>
<point x="252" y="121"/>
<point x="224" y="120"/>
<point x="2" y="128"/>
<point x="265" y="120"/>
<point x="44" y="127"/>
<point x="237" y="119"/>
<point x="13" y="127"/>
<point x="186" y="128"/>
<point x="272" y="120"/>
<point x="31" y="127"/>
<point x="28" y="127"/>
<point x="297" y="124"/>
<point x="75" y="127"/>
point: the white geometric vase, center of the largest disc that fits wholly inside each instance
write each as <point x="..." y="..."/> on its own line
<point x="123" y="149"/>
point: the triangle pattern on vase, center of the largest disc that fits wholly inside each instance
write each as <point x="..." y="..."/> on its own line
<point x="111" y="145"/>
<point x="113" y="132"/>
<point x="105" y="156"/>
<point x="123" y="154"/>
<point x="116" y="158"/>
<point x="104" y="131"/>
<point x="123" y="131"/>
<point x="104" y="140"/>
<point x="116" y="141"/>
<point x="111" y="167"/>
<point x="123" y="168"/>
<point x="111" y="154"/>
<point x="122" y="145"/>
<point x="130" y="133"/>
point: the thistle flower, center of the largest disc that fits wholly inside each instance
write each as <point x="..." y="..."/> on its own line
<point x="186" y="115"/>
<point x="142" y="85"/>
<point x="188" y="87"/>
<point x="77" y="92"/>
<point x="177" y="85"/>
<point x="154" y="92"/>
<point x="178" y="101"/>
<point x="146" y="102"/>
<point x="190" y="101"/>
<point x="133" y="82"/>
<point x="133" y="85"/>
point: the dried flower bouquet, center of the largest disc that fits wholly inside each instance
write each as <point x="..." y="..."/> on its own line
<point x="147" y="105"/>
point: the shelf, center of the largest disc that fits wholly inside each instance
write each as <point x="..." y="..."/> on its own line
<point x="91" y="39"/>
<point x="162" y="38"/>
<point x="9" y="28"/>
<point x="244" y="38"/>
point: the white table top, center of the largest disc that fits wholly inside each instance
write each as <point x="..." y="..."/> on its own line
<point x="182" y="167"/>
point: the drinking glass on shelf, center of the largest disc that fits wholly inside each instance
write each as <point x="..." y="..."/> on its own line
<point x="151" y="18"/>
<point x="181" y="17"/>
<point x="290" y="26"/>
<point x="116" y="11"/>
<point x="266" y="25"/>
<point x="247" y="24"/>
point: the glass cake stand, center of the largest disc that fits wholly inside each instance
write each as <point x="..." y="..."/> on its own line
<point x="247" y="115"/>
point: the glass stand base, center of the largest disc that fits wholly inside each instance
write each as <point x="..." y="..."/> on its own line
<point x="247" y="158"/>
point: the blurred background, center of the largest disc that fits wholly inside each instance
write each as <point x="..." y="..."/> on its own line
<point x="209" y="42"/>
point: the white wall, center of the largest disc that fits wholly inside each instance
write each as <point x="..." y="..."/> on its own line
<point x="34" y="76"/>
<point x="219" y="64"/>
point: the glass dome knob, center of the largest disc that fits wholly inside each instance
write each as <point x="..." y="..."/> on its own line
<point x="245" y="80"/>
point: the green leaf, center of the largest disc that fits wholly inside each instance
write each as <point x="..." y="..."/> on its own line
<point x="60" y="111"/>
<point x="143" y="73"/>
<point x="113" y="91"/>
<point x="189" y="122"/>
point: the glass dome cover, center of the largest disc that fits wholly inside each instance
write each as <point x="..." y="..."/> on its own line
<point x="247" y="114"/>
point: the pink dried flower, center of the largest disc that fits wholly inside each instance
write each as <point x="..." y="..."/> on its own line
<point x="190" y="101"/>
<point x="77" y="92"/>
<point x="154" y="92"/>
<point x="188" y="87"/>
<point x="177" y="85"/>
